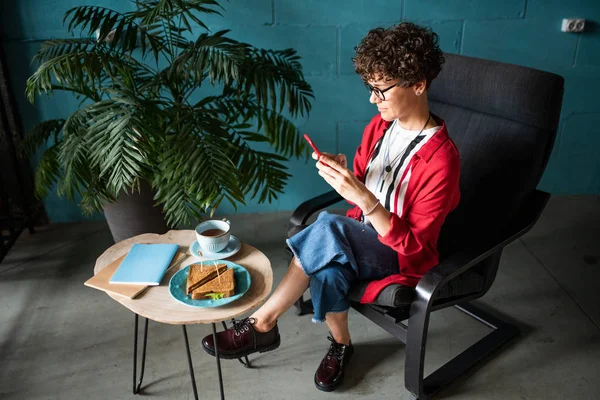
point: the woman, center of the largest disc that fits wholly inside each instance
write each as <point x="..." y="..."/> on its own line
<point x="404" y="184"/>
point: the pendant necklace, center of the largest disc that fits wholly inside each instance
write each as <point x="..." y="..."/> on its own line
<point x="388" y="167"/>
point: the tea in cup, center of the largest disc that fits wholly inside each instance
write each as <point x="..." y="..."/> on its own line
<point x="213" y="235"/>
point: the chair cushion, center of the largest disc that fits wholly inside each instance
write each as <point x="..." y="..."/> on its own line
<point x="391" y="296"/>
<point x="399" y="295"/>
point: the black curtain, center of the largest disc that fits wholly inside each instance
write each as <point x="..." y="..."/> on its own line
<point x="19" y="208"/>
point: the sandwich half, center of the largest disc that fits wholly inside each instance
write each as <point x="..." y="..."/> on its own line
<point x="199" y="274"/>
<point x="220" y="287"/>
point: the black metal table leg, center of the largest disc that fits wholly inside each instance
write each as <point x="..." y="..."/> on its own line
<point x="138" y="385"/>
<point x="245" y="363"/>
<point x="189" y="357"/>
<point x="214" y="328"/>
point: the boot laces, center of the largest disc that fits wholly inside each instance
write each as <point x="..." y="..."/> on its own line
<point x="242" y="325"/>
<point x="336" y="350"/>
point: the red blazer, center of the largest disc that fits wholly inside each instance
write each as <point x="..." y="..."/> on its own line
<point x="432" y="192"/>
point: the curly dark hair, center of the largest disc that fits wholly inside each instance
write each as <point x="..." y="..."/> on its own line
<point x="405" y="51"/>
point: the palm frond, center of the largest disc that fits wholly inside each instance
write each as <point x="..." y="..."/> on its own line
<point x="47" y="172"/>
<point x="269" y="72"/>
<point x="283" y="135"/>
<point x="278" y="130"/>
<point x="261" y="173"/>
<point x="82" y="66"/>
<point x="186" y="9"/>
<point x="73" y="155"/>
<point x="152" y="11"/>
<point x="40" y="135"/>
<point x="195" y="171"/>
<point x="124" y="32"/>
<point x="215" y="55"/>
<point x="116" y="142"/>
<point x="95" y="196"/>
<point x="67" y="63"/>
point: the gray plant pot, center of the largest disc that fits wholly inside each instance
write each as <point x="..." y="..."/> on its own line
<point x="134" y="214"/>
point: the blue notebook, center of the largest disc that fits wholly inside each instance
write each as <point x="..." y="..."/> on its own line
<point x="145" y="264"/>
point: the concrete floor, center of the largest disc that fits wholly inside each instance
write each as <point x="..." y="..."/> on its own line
<point x="62" y="340"/>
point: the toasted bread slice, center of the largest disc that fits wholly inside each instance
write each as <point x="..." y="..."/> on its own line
<point x="199" y="274"/>
<point x="221" y="287"/>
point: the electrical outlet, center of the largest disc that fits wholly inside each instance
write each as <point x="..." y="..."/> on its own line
<point x="573" y="25"/>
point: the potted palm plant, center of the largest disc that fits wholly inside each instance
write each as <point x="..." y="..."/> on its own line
<point x="173" y="119"/>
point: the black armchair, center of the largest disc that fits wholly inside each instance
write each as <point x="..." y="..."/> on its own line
<point x="503" y="119"/>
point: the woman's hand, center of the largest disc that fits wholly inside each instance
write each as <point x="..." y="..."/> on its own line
<point x="340" y="158"/>
<point x="343" y="181"/>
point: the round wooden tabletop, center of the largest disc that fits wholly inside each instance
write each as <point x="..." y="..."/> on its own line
<point x="156" y="302"/>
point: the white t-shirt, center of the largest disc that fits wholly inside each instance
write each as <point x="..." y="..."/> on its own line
<point x="390" y="158"/>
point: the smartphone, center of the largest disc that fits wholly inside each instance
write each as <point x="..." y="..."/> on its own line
<point x="312" y="145"/>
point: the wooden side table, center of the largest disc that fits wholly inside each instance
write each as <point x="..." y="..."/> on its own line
<point x="157" y="304"/>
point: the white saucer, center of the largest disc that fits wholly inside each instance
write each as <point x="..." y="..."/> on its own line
<point x="233" y="247"/>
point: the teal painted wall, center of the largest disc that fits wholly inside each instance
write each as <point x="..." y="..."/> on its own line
<point x="324" y="32"/>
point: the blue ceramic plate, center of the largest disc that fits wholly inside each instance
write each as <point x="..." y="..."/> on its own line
<point x="178" y="282"/>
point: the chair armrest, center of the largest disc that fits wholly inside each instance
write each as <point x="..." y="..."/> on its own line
<point x="460" y="262"/>
<point x="309" y="207"/>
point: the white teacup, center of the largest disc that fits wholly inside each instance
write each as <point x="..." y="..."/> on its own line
<point x="213" y="235"/>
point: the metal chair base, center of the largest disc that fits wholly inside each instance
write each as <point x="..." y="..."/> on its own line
<point x="424" y="388"/>
<point x="501" y="334"/>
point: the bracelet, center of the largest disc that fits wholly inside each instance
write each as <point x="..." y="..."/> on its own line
<point x="372" y="208"/>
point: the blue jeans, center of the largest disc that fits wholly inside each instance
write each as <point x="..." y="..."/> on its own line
<point x="334" y="251"/>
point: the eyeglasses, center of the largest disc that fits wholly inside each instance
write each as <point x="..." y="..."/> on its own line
<point x="379" y="93"/>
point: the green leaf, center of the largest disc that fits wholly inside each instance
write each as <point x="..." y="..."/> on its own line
<point x="40" y="135"/>
<point x="122" y="27"/>
<point x="212" y="55"/>
<point x="81" y="66"/>
<point x="264" y="68"/>
<point x="47" y="172"/>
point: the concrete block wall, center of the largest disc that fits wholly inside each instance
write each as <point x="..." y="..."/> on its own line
<point x="324" y="32"/>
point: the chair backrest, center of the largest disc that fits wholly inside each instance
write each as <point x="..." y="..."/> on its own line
<point x="503" y="119"/>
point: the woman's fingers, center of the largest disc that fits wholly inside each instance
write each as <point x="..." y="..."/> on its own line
<point x="329" y="179"/>
<point x="329" y="168"/>
<point x="341" y="158"/>
<point x="331" y="162"/>
<point x="315" y="157"/>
